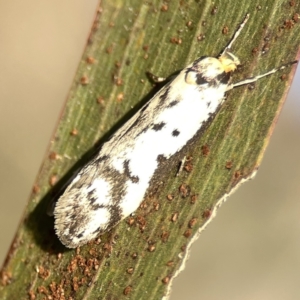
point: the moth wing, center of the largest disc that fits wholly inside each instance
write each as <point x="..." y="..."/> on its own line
<point x="91" y="204"/>
<point x="86" y="208"/>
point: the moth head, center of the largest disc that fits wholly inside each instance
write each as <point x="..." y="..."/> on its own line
<point x="229" y="61"/>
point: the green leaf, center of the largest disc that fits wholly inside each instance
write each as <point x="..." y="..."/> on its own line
<point x="139" y="258"/>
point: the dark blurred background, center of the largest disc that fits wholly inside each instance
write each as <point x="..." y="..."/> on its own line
<point x="251" y="250"/>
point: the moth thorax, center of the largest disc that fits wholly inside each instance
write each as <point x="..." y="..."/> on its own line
<point x="204" y="71"/>
<point x="229" y="61"/>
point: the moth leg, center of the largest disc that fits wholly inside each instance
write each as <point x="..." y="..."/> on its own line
<point x="155" y="78"/>
<point x="182" y="162"/>
<point x="255" y="78"/>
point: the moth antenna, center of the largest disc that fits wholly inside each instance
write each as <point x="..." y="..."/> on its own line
<point x="236" y="34"/>
<point x="255" y="78"/>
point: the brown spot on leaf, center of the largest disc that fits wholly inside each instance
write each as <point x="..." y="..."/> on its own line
<point x="192" y="222"/>
<point x="84" y="80"/>
<point x="127" y="290"/>
<point x="166" y="280"/>
<point x="164" y="7"/>
<point x="74" y="132"/>
<point x="90" y="60"/>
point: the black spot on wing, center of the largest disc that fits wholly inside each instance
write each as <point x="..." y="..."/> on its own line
<point x="163" y="97"/>
<point x="144" y="107"/>
<point x="85" y="173"/>
<point x="142" y="131"/>
<point x="175" y="133"/>
<point x="161" y="158"/>
<point x="98" y="230"/>
<point x="99" y="160"/>
<point x="103" y="158"/>
<point x="134" y="179"/>
<point x="75" y="226"/>
<point x="115" y="213"/>
<point x="96" y="206"/>
<point x="118" y="183"/>
<point x="223" y="78"/>
<point x="137" y="123"/>
<point x="173" y="103"/>
<point x="158" y="126"/>
<point x="139" y="120"/>
<point x="200" y="79"/>
<point x="92" y="196"/>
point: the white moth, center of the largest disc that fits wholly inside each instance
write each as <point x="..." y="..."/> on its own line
<point x="112" y="185"/>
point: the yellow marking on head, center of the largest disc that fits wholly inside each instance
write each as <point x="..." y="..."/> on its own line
<point x="229" y="61"/>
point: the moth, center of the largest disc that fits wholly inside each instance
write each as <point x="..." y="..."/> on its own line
<point x="113" y="184"/>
